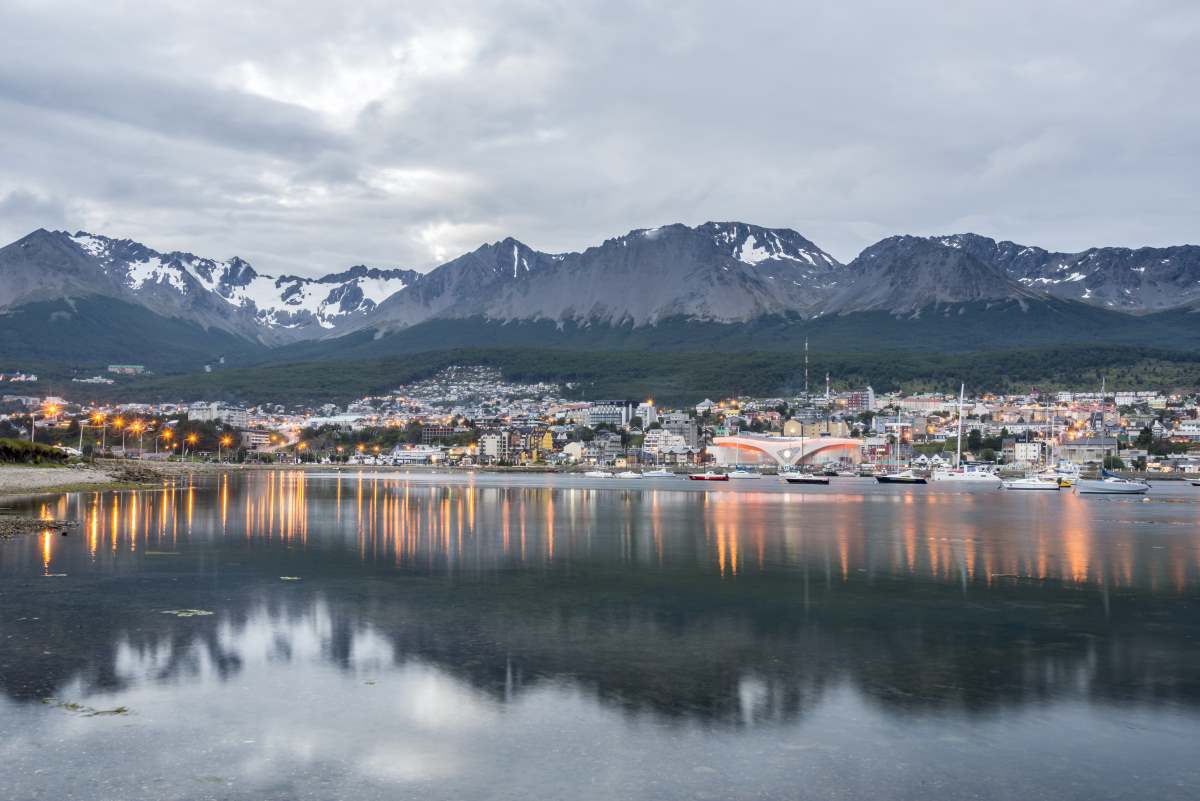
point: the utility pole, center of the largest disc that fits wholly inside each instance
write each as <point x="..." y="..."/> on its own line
<point x="806" y="368"/>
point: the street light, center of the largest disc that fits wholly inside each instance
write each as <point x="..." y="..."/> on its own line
<point x="137" y="427"/>
<point x="47" y="411"/>
<point x="223" y="442"/>
<point x="98" y="419"/>
<point x="191" y="440"/>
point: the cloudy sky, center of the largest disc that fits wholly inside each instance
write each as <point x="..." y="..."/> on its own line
<point x="306" y="137"/>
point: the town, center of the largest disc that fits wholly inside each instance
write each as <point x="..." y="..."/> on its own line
<point x="470" y="416"/>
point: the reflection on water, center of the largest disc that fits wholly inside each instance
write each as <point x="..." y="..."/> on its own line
<point x="965" y="538"/>
<point x="452" y="621"/>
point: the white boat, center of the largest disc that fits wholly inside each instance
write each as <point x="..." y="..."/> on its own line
<point x="1064" y="472"/>
<point x="1111" y="485"/>
<point x="1031" y="483"/>
<point x="709" y="475"/>
<point x="662" y="472"/>
<point x="629" y="474"/>
<point x="902" y="477"/>
<point x="598" y="474"/>
<point x="968" y="472"/>
<point x="740" y="473"/>
<point x="803" y="478"/>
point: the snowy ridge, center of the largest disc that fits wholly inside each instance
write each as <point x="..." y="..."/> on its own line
<point x="753" y="245"/>
<point x="283" y="302"/>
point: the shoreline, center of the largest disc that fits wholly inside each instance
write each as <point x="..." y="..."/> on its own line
<point x="116" y="474"/>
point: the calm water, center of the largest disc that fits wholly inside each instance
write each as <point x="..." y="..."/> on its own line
<point x="440" y="638"/>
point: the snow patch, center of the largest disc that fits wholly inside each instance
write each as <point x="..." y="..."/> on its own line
<point x="91" y="245"/>
<point x="140" y="273"/>
<point x="751" y="253"/>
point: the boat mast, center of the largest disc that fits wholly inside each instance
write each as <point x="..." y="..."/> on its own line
<point x="961" y="393"/>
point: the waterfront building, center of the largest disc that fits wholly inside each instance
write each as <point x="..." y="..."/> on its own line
<point x="783" y="451"/>
<point x="1088" y="451"/>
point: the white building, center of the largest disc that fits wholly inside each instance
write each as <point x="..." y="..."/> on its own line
<point x="493" y="446"/>
<point x="613" y="413"/>
<point x="417" y="454"/>
<point x="647" y="412"/>
<point x="1189" y="429"/>
<point x="657" y="439"/>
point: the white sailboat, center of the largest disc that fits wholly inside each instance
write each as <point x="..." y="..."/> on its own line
<point x="1109" y="484"/>
<point x="1031" y="483"/>
<point x="743" y="473"/>
<point x="961" y="472"/>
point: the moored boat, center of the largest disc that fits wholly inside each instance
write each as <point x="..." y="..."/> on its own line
<point x="709" y="475"/>
<point x="661" y="472"/>
<point x="629" y="474"/>
<point x="739" y="473"/>
<point x="1109" y="484"/>
<point x="902" y="477"/>
<point x="1031" y="483"/>
<point x="803" y="478"/>
<point x="597" y="474"/>
<point x="969" y="472"/>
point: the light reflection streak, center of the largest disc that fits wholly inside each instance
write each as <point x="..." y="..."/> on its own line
<point x="469" y="527"/>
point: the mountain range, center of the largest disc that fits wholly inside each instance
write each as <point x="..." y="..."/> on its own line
<point x="85" y="298"/>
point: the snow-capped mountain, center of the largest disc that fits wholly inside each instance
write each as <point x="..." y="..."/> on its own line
<point x="723" y="274"/>
<point x="284" y="302"/>
<point x="229" y="295"/>
<point x="1135" y="280"/>
<point x="717" y="272"/>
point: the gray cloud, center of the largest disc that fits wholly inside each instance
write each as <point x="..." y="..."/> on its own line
<point x="306" y="137"/>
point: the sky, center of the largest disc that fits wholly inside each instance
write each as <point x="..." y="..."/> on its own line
<point x="307" y="137"/>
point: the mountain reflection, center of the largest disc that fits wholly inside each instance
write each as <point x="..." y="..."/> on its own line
<point x="729" y="607"/>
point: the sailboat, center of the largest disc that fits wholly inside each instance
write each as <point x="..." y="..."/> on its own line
<point x="961" y="472"/>
<point x="1111" y="484"/>
<point x="898" y="476"/>
<point x="793" y="475"/>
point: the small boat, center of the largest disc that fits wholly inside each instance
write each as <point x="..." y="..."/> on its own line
<point x="968" y="472"/>
<point x="903" y="477"/>
<point x="662" y="472"/>
<point x="1032" y="483"/>
<point x="629" y="474"/>
<point x="803" y="478"/>
<point x="709" y="475"/>
<point x="597" y="474"/>
<point x="740" y="473"/>
<point x="1109" y="484"/>
<point x="1196" y="483"/>
<point x="830" y="470"/>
